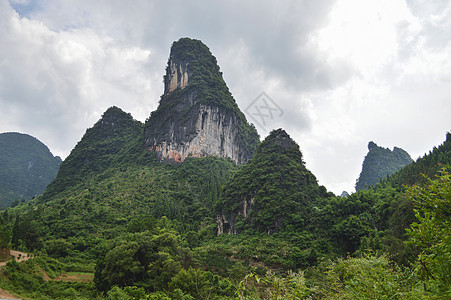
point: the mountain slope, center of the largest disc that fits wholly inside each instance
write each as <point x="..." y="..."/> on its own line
<point x="430" y="165"/>
<point x="197" y="115"/>
<point x="273" y="190"/>
<point x="110" y="178"/>
<point x="26" y="167"/>
<point x="379" y="163"/>
<point x="97" y="149"/>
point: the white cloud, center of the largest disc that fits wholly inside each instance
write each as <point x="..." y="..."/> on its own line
<point x="55" y="84"/>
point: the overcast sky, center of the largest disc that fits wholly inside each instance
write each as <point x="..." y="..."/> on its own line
<point x="340" y="73"/>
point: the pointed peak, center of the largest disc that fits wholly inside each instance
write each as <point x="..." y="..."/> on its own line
<point x="372" y="145"/>
<point x="115" y="115"/>
<point x="115" y="111"/>
<point x="191" y="63"/>
<point x="279" y="134"/>
<point x="279" y="137"/>
<point x="197" y="114"/>
<point x="114" y="120"/>
<point x="187" y="49"/>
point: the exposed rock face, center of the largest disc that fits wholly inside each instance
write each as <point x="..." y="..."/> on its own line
<point x="197" y="115"/>
<point x="379" y="163"/>
<point x="176" y="76"/>
<point x="227" y="222"/>
<point x="211" y="133"/>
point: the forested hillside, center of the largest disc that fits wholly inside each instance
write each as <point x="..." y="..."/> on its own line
<point x="273" y="191"/>
<point x="120" y="223"/>
<point x="26" y="167"/>
<point x="152" y="226"/>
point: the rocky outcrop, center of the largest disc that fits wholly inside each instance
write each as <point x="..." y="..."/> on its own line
<point x="379" y="163"/>
<point x="210" y="133"/>
<point x="227" y="222"/>
<point x="197" y="116"/>
<point x="177" y="76"/>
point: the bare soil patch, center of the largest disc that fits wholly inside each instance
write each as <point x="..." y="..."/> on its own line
<point x="4" y="294"/>
<point x="20" y="257"/>
<point x="78" y="277"/>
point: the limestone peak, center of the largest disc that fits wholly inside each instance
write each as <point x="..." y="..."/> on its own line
<point x="197" y="115"/>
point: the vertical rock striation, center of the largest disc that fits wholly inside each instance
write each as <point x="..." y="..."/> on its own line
<point x="197" y="115"/>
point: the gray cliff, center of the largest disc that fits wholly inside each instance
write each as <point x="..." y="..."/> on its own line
<point x="197" y="115"/>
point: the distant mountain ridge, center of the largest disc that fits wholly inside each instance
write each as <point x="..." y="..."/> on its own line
<point x="26" y="167"/>
<point x="379" y="163"/>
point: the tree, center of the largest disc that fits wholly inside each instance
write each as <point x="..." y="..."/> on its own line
<point x="432" y="233"/>
<point x="201" y="284"/>
<point x="369" y="278"/>
<point x="25" y="233"/>
<point x="4" y="242"/>
<point x="145" y="259"/>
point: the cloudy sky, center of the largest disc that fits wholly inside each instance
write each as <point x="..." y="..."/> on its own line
<point x="342" y="73"/>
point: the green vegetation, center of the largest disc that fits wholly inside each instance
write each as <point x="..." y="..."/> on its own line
<point x="431" y="234"/>
<point x="147" y="230"/>
<point x="275" y="188"/>
<point x="118" y="224"/>
<point x="26" y="168"/>
<point x="379" y="163"/>
<point x="428" y="165"/>
<point x="205" y="78"/>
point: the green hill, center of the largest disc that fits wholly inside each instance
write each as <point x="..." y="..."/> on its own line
<point x="212" y="227"/>
<point x="272" y="191"/>
<point x="26" y="167"/>
<point x="110" y="178"/>
<point x="430" y="165"/>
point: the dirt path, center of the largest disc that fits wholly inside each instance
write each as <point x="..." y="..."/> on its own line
<point x="20" y="256"/>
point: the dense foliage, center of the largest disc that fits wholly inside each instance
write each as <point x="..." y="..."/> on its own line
<point x="146" y="230"/>
<point x="379" y="163"/>
<point x="430" y="165"/>
<point x="205" y="78"/>
<point x="97" y="150"/>
<point x="272" y="191"/>
<point x="431" y="233"/>
<point x="118" y="224"/>
<point x="26" y="167"/>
